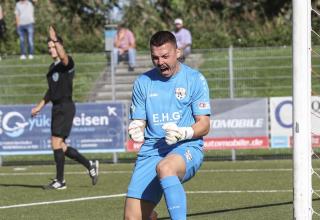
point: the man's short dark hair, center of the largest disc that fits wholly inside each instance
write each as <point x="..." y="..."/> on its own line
<point x="162" y="37"/>
<point x="59" y="39"/>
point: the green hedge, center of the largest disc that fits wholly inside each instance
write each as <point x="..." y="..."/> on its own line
<point x="252" y="23"/>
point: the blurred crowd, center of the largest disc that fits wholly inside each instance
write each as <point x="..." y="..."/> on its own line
<point x="124" y="40"/>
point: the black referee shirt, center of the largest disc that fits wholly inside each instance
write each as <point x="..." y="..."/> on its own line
<point x="60" y="80"/>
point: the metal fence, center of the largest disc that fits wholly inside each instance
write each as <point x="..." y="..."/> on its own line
<point x="251" y="72"/>
<point x="24" y="81"/>
<point x="231" y="72"/>
<point x="248" y="72"/>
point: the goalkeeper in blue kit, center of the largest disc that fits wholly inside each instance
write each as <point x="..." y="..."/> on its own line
<point x="170" y="113"/>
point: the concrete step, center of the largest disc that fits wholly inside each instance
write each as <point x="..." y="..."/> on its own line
<point x="107" y="86"/>
<point x="118" y="88"/>
<point x="125" y="79"/>
<point x="143" y="56"/>
<point x="138" y="63"/>
<point x="126" y="95"/>
<point x="119" y="79"/>
<point x="137" y="71"/>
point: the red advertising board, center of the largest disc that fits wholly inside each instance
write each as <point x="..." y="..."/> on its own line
<point x="315" y="141"/>
<point x="236" y="143"/>
<point x="222" y="143"/>
<point x="133" y="146"/>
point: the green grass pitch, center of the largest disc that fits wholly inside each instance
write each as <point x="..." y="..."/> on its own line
<point x="220" y="190"/>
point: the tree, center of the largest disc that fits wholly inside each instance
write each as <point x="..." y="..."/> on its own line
<point x="213" y="23"/>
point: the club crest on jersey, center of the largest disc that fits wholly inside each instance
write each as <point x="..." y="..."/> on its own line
<point x="180" y="93"/>
<point x="55" y="76"/>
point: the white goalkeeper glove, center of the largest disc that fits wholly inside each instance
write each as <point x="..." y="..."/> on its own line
<point x="136" y="130"/>
<point x="175" y="134"/>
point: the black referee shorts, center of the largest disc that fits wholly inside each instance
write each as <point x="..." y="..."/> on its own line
<point x="62" y="119"/>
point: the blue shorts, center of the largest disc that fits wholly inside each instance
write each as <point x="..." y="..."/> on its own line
<point x="144" y="182"/>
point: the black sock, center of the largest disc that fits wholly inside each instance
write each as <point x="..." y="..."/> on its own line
<point x="59" y="159"/>
<point x="75" y="155"/>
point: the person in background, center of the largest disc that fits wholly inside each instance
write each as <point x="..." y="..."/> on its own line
<point x="24" y="12"/>
<point x="125" y="46"/>
<point x="2" y="33"/>
<point x="184" y="39"/>
<point x="60" y="80"/>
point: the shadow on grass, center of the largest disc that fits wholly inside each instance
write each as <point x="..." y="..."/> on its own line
<point x="21" y="185"/>
<point x="237" y="209"/>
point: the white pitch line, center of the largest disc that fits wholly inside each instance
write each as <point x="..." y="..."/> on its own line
<point x="51" y="173"/>
<point x="239" y="191"/>
<point x="123" y="194"/>
<point x="62" y="201"/>
<point x="245" y="170"/>
<point x="124" y="171"/>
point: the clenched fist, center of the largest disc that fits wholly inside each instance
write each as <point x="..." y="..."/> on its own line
<point x="175" y="134"/>
<point x="136" y="130"/>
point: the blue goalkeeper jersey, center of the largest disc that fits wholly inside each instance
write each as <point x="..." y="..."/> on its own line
<point x="159" y="100"/>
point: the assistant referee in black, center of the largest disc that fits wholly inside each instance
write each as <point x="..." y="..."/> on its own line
<point x="60" y="80"/>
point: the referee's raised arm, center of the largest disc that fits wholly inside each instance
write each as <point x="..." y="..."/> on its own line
<point x="58" y="45"/>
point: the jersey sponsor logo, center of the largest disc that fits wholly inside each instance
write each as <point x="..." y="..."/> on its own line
<point x="180" y="93"/>
<point x="153" y="94"/>
<point x="55" y="77"/>
<point x="165" y="117"/>
<point x="203" y="105"/>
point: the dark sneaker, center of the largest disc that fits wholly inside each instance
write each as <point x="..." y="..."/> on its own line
<point x="56" y="184"/>
<point x="131" y="69"/>
<point x="94" y="171"/>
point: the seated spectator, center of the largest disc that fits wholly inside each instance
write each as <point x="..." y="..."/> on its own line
<point x="184" y="39"/>
<point x="124" y="47"/>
